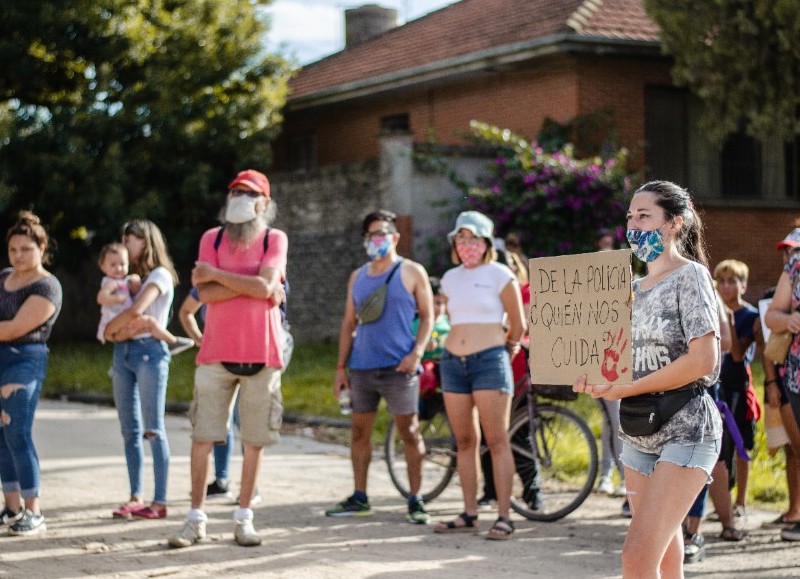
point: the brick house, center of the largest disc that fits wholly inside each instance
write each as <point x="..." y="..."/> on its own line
<point x="514" y="63"/>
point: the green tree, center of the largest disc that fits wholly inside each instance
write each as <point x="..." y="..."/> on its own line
<point x="126" y="108"/>
<point x="741" y="57"/>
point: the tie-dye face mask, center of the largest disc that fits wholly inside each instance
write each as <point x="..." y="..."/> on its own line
<point x="378" y="247"/>
<point x="646" y="245"/>
<point x="471" y="254"/>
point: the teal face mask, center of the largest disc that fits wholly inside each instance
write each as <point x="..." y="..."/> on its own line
<point x="646" y="245"/>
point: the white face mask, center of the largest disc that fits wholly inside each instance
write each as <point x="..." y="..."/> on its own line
<point x="241" y="209"/>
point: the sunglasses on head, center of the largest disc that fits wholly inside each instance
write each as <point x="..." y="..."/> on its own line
<point x="132" y="229"/>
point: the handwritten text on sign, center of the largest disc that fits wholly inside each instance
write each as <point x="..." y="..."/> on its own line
<point x="580" y="318"/>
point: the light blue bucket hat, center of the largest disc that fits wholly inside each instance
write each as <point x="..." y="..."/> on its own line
<point x="477" y="223"/>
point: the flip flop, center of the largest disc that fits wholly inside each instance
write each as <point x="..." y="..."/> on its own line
<point x="470" y="525"/>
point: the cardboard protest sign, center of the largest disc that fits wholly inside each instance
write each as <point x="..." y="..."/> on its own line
<point x="580" y="318"/>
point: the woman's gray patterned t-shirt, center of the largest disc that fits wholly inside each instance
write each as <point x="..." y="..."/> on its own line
<point x="666" y="317"/>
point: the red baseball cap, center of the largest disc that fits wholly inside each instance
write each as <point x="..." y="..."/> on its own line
<point x="792" y="240"/>
<point x="253" y="179"/>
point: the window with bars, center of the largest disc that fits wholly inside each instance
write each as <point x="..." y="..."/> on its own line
<point x="743" y="168"/>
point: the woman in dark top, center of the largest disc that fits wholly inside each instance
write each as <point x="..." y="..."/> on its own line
<point x="30" y="300"/>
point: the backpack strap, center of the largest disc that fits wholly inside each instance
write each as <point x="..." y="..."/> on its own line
<point x="266" y="240"/>
<point x="218" y="239"/>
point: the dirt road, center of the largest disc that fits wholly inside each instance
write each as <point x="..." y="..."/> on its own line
<point x="84" y="479"/>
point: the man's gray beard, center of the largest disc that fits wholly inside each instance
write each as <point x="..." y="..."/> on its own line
<point x="241" y="235"/>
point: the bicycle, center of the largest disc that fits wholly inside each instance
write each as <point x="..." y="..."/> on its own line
<point x="555" y="468"/>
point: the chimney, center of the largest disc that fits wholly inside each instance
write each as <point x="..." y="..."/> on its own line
<point x="368" y="21"/>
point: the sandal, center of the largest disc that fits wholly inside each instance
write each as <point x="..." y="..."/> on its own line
<point x="502" y="530"/>
<point x="694" y="548"/>
<point x="470" y="525"/>
<point x="732" y="534"/>
<point x="126" y="511"/>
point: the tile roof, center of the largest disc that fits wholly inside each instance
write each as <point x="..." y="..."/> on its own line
<point x="472" y="27"/>
<point x="623" y="19"/>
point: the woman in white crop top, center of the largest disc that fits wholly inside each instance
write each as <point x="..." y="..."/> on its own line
<point x="475" y="368"/>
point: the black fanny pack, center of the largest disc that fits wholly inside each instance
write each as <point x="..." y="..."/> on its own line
<point x="646" y="414"/>
<point x="243" y="369"/>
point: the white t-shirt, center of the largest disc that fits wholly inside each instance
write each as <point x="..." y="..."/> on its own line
<point x="109" y="312"/>
<point x="473" y="295"/>
<point x="159" y="309"/>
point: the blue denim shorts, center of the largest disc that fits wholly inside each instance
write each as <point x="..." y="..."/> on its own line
<point x="485" y="370"/>
<point x="703" y="455"/>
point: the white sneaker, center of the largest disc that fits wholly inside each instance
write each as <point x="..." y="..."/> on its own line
<point x="29" y="524"/>
<point x="605" y="486"/>
<point x="256" y="500"/>
<point x="621" y="491"/>
<point x="245" y="534"/>
<point x="191" y="532"/>
<point x="9" y="517"/>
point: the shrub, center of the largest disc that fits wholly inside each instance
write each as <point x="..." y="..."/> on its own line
<point x="557" y="204"/>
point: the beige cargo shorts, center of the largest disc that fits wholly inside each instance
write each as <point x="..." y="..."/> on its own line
<point x="260" y="405"/>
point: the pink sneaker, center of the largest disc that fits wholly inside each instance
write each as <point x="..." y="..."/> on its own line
<point x="149" y="513"/>
<point x="126" y="510"/>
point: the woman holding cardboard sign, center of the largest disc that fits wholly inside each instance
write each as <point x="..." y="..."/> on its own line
<point x="671" y="429"/>
<point x="476" y="368"/>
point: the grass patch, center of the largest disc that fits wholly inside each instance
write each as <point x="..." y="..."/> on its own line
<point x="83" y="367"/>
<point x="307" y="390"/>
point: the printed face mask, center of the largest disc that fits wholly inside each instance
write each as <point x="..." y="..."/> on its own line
<point x="646" y="245"/>
<point x="378" y="246"/>
<point x="241" y="209"/>
<point x="471" y="254"/>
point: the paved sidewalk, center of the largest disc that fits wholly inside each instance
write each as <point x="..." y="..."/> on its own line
<point x="84" y="479"/>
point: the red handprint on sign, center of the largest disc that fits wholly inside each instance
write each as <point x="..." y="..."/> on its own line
<point x="611" y="357"/>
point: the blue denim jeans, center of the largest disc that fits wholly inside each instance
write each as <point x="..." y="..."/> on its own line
<point x="140" y="372"/>
<point x="25" y="365"/>
<point x="224" y="452"/>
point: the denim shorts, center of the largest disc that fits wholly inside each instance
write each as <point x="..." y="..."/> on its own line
<point x="703" y="455"/>
<point x="488" y="369"/>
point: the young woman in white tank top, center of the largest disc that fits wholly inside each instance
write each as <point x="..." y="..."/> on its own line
<point x="481" y="295"/>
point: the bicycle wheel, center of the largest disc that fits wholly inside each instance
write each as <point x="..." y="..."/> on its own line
<point x="439" y="462"/>
<point x="552" y="485"/>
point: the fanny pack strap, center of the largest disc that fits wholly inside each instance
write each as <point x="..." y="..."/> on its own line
<point x="687" y="391"/>
<point x="394" y="269"/>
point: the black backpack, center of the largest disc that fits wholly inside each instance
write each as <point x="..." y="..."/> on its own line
<point x="217" y="243"/>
